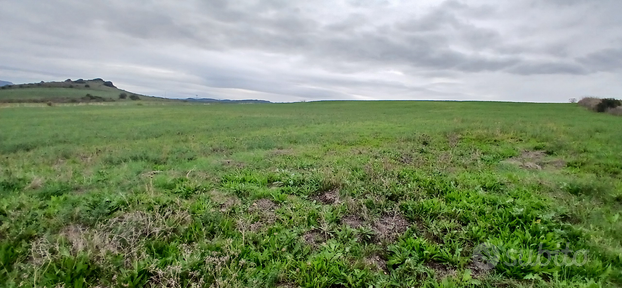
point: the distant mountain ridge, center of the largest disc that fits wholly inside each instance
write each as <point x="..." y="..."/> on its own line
<point x="212" y="100"/>
<point x="5" y="83"/>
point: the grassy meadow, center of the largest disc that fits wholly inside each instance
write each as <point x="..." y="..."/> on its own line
<point x="320" y="194"/>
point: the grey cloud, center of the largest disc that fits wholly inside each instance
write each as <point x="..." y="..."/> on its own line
<point x="604" y="60"/>
<point x="548" y="68"/>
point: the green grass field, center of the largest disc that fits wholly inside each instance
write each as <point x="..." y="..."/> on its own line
<point x="321" y="194"/>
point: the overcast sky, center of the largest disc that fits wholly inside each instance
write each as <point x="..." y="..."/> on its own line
<point x="285" y="50"/>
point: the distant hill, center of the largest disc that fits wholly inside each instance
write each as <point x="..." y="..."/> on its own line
<point x="211" y="100"/>
<point x="70" y="91"/>
<point x="5" y="83"/>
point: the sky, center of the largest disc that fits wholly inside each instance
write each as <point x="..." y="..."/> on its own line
<point x="285" y="50"/>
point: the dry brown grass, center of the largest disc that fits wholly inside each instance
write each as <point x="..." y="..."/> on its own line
<point x="120" y="235"/>
<point x="590" y="102"/>
<point x="615" y="111"/>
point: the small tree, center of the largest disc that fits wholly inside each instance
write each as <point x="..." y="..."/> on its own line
<point x="87" y="86"/>
<point x="573" y="100"/>
<point x="122" y="96"/>
<point x="134" y="97"/>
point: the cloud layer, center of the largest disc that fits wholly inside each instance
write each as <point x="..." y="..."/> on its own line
<point x="281" y="50"/>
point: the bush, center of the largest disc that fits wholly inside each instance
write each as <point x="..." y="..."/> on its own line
<point x="134" y="97"/>
<point x="70" y="86"/>
<point x="607" y="103"/>
<point x="80" y="81"/>
<point x="589" y="102"/>
<point x="87" y="86"/>
<point x="122" y="96"/>
<point x="615" y="111"/>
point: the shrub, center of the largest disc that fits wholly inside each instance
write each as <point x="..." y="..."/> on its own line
<point x="109" y="84"/>
<point x="607" y="103"/>
<point x="589" y="102"/>
<point x="122" y="96"/>
<point x="70" y="86"/>
<point x="49" y="104"/>
<point x="87" y="86"/>
<point x="80" y="81"/>
<point x="134" y="97"/>
<point x="615" y="111"/>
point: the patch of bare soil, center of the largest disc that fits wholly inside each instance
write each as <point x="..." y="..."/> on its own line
<point x="377" y="262"/>
<point x="329" y="197"/>
<point x="535" y="160"/>
<point x="233" y="163"/>
<point x="265" y="209"/>
<point x="453" y="139"/>
<point x="479" y="270"/>
<point x="226" y="202"/>
<point x="441" y="271"/>
<point x="390" y="227"/>
<point x="263" y="205"/>
<point x="353" y="221"/>
<point x="314" y="237"/>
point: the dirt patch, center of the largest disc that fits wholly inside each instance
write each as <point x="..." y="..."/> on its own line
<point x="329" y="197"/>
<point x="376" y="262"/>
<point x="233" y="163"/>
<point x="353" y="221"/>
<point x="390" y="227"/>
<point x="225" y="202"/>
<point x="314" y="238"/>
<point x="453" y="139"/>
<point x="478" y="270"/>
<point x="265" y="209"/>
<point x="535" y="160"/>
<point x="263" y="205"/>
<point x="441" y="271"/>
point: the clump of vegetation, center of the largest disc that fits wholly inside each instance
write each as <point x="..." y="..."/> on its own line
<point x="92" y="98"/>
<point x="134" y="97"/>
<point x="123" y="96"/>
<point x="609" y="105"/>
